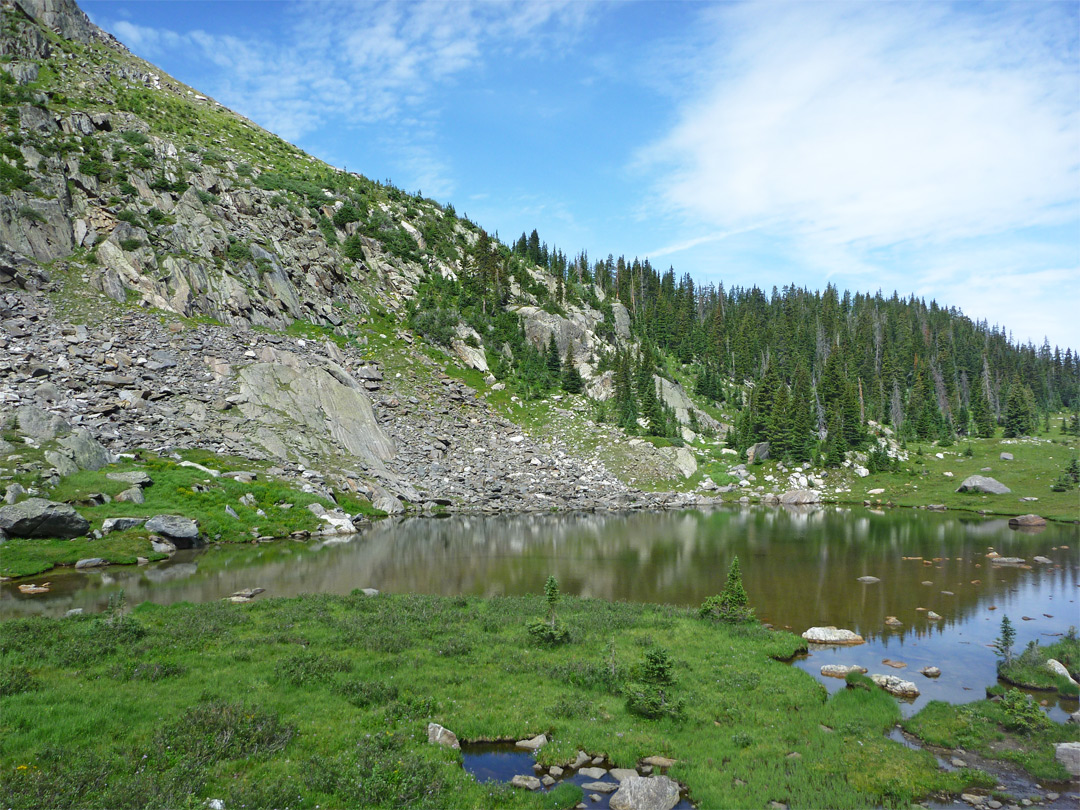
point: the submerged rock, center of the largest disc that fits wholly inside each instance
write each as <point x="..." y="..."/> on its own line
<point x="832" y="635"/>
<point x="841" y="670"/>
<point x="869" y="580"/>
<point x="1028" y="521"/>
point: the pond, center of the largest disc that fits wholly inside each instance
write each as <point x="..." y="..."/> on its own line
<point x="800" y="567"/>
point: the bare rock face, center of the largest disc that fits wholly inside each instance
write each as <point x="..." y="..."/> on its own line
<point x="757" y="452"/>
<point x="315" y="401"/>
<point x="37" y="517"/>
<point x="982" y="483"/>
<point x="832" y="635"/>
<point x="646" y="793"/>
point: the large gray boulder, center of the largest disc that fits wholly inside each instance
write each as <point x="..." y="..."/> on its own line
<point x="982" y="483"/>
<point x="757" y="452"/>
<point x="800" y="497"/>
<point x="39" y="424"/>
<point x="181" y="531"/>
<point x="646" y="793"/>
<point x="1068" y="754"/>
<point x="85" y="450"/>
<point x="37" y="517"/>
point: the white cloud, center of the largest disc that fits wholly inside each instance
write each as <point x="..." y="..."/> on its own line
<point x="860" y="132"/>
<point x="354" y="64"/>
<point x="874" y="124"/>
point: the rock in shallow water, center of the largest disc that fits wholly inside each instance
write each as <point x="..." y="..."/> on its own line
<point x="832" y="635"/>
<point x="896" y="686"/>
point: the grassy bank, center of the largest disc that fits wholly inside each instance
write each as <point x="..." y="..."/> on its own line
<point x="324" y="700"/>
<point x="1028" y="669"/>
<point x="269" y="508"/>
<point x="1011" y="729"/>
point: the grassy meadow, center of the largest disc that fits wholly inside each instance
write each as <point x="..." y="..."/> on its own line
<point x="325" y="700"/>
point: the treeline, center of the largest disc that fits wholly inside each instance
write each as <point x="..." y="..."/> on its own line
<point x="805" y="370"/>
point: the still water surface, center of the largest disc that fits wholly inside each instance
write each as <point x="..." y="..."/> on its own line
<point x="800" y="568"/>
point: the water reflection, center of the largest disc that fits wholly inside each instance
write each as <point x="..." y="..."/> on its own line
<point x="800" y="567"/>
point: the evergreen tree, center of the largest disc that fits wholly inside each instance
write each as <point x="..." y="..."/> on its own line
<point x="571" y="377"/>
<point x="554" y="362"/>
<point x="1020" y="416"/>
<point x="834" y="442"/>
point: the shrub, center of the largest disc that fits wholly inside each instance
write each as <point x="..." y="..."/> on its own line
<point x="307" y="668"/>
<point x="131" y="244"/>
<point x="353" y="248"/>
<point x="135" y="138"/>
<point x="1021" y="712"/>
<point x="215" y="730"/>
<point x="549" y="630"/>
<point x="31" y="213"/>
<point x="238" y="251"/>
<point x="362" y="694"/>
<point x="14" y="680"/>
<point x="346" y="214"/>
<point x="730" y="606"/>
<point x="651" y="695"/>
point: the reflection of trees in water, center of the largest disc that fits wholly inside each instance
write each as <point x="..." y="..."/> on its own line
<point x="799" y="565"/>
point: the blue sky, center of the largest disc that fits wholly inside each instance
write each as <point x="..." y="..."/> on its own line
<point x="930" y="148"/>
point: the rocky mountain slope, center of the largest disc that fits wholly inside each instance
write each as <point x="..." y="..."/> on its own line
<point x="179" y="278"/>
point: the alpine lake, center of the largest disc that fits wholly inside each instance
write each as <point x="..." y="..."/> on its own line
<point x="801" y="568"/>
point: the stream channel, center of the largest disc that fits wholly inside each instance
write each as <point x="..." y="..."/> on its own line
<point x="800" y="568"/>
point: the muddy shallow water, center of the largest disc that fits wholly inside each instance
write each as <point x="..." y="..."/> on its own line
<point x="800" y="568"/>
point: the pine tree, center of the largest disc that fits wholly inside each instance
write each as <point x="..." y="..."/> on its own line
<point x="834" y="442"/>
<point x="554" y="362"/>
<point x="571" y="377"/>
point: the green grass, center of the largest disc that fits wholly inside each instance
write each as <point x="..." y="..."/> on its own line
<point x="989" y="728"/>
<point x="324" y="701"/>
<point x="1036" y="464"/>
<point x="176" y="490"/>
<point x="1028" y="669"/>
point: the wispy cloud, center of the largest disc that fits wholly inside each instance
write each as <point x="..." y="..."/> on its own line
<point x="859" y="131"/>
<point x="355" y="64"/>
<point x="872" y="124"/>
<point x="697" y="241"/>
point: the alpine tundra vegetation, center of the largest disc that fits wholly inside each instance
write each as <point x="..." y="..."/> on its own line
<point x="209" y="337"/>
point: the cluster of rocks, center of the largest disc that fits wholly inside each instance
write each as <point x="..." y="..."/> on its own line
<point x="637" y="788"/>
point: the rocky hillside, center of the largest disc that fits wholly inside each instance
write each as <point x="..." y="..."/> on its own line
<point x="177" y="277"/>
